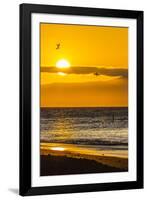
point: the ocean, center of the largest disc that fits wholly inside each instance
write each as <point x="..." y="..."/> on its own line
<point x="98" y="128"/>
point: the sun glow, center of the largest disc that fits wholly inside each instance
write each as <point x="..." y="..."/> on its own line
<point x="61" y="73"/>
<point x="62" y="64"/>
<point x="57" y="148"/>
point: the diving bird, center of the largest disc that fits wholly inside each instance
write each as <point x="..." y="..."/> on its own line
<point x="57" y="46"/>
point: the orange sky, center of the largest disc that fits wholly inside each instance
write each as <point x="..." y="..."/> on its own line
<point x="98" y="59"/>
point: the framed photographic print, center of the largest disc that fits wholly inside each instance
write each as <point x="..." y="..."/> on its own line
<point x="81" y="99"/>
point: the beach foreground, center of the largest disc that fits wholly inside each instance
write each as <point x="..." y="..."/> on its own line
<point x="61" y="159"/>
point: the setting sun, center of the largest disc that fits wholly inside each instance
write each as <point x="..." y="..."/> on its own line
<point x="62" y="64"/>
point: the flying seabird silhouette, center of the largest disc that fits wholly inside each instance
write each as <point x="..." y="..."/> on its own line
<point x="58" y="46"/>
<point x="96" y="73"/>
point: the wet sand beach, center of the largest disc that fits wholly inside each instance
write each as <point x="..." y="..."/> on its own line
<point x="61" y="159"/>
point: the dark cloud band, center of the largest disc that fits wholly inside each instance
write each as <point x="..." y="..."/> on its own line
<point x="88" y="70"/>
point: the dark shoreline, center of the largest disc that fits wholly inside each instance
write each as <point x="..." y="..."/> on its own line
<point x="62" y="165"/>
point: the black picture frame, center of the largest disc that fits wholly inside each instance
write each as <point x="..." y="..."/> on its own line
<point x="25" y="187"/>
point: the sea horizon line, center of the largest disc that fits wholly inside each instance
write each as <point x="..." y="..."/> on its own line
<point x="84" y="107"/>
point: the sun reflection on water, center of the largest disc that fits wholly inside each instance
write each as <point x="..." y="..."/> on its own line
<point x="57" y="148"/>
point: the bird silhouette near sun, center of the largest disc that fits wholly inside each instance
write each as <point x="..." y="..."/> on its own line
<point x="57" y="46"/>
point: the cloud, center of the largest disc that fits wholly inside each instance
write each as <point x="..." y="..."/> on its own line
<point x="89" y="70"/>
